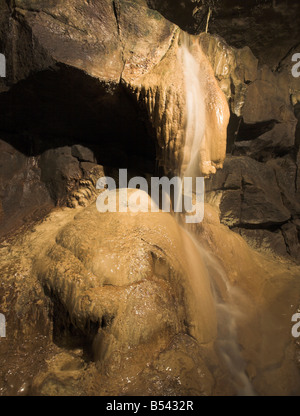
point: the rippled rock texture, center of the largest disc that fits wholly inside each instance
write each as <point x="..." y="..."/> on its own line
<point x="106" y="304"/>
<point x="121" y="88"/>
<point x="124" y="302"/>
<point x="255" y="73"/>
<point x="257" y="192"/>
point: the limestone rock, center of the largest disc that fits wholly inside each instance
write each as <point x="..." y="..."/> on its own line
<point x="128" y="286"/>
<point x="281" y="139"/>
<point x="142" y="48"/>
<point x="268" y="99"/>
<point x="265" y="240"/>
<point x="163" y="92"/>
<point x="250" y="194"/>
<point x="22" y="192"/>
<point x="234" y="68"/>
<point x="264" y="103"/>
<point x="63" y="32"/>
<point x="60" y="171"/>
<point x="83" y="154"/>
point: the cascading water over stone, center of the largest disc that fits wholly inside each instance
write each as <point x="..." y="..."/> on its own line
<point x="197" y="143"/>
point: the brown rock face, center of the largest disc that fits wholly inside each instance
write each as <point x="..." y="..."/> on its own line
<point x="259" y="201"/>
<point x="269" y="28"/>
<point x="164" y="92"/>
<point x="118" y="90"/>
<point x="131" y="304"/>
<point x="122" y="289"/>
<point x="263" y="127"/>
<point x="124" y="267"/>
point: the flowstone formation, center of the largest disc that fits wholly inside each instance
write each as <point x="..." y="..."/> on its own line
<point x="101" y="260"/>
<point x="257" y="192"/>
<point x="108" y="304"/>
<point x="121" y="86"/>
<point x="124" y="304"/>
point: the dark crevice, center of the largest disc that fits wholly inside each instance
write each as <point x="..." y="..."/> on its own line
<point x="106" y="321"/>
<point x="286" y="242"/>
<point x="296" y="177"/>
<point x="297" y="143"/>
<point x="243" y="189"/>
<point x="116" y="13"/>
<point x="294" y="48"/>
<point x="282" y="194"/>
<point x="262" y="226"/>
<point x="63" y="107"/>
<point x="117" y="17"/>
<point x="232" y="131"/>
<point x="65" y="333"/>
<point x="247" y="132"/>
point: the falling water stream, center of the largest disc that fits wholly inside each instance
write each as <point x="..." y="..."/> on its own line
<point x="227" y="311"/>
<point x="225" y="305"/>
<point x="195" y="109"/>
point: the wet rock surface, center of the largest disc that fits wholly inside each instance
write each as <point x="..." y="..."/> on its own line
<point x="24" y="197"/>
<point x="118" y="90"/>
<point x="95" y="332"/>
<point x="119" y="317"/>
<point x="259" y="201"/>
<point x="110" y="305"/>
<point x="268" y="28"/>
<point x="257" y="192"/>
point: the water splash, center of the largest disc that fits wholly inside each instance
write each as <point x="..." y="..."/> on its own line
<point x="228" y="313"/>
<point x="226" y="304"/>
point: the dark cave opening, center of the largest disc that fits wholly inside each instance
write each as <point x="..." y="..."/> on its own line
<point x="297" y="114"/>
<point x="56" y="119"/>
<point x="253" y="131"/>
<point x="63" y="107"/>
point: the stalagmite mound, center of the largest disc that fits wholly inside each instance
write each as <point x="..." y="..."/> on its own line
<point x="101" y="260"/>
<point x="138" y="330"/>
<point x="121" y="289"/>
<point x="139" y="303"/>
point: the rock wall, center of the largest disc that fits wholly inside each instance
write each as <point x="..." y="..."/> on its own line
<point x="121" y="295"/>
<point x="117" y="91"/>
<point x="257" y="192"/>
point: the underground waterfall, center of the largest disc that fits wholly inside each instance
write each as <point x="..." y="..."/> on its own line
<point x="202" y="263"/>
<point x="149" y="199"/>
